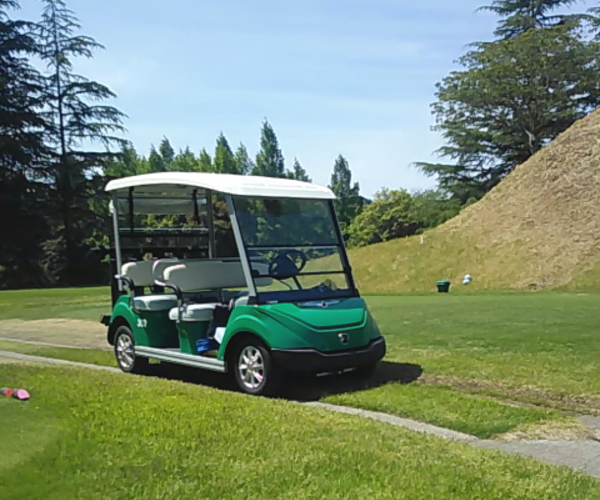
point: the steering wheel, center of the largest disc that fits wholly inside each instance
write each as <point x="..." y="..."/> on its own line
<point x="284" y="266"/>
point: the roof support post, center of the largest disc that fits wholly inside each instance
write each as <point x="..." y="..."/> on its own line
<point x="241" y="247"/>
<point x="212" y="247"/>
<point x="115" y="217"/>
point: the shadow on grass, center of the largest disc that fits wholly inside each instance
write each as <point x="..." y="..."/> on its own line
<point x="302" y="387"/>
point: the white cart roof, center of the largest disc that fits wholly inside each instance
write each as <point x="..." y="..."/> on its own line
<point x="239" y="185"/>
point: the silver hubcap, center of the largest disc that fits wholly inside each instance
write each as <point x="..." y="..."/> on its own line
<point x="251" y="367"/>
<point x="125" y="354"/>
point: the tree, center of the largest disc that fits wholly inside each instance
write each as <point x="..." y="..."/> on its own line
<point x="185" y="161"/>
<point x="398" y="214"/>
<point x="519" y="16"/>
<point x="349" y="202"/>
<point x="75" y="119"/>
<point x="433" y="207"/>
<point x="167" y="153"/>
<point x="298" y="172"/>
<point x="511" y="98"/>
<point x="389" y="216"/>
<point x="155" y="162"/>
<point x="21" y="123"/>
<point x="128" y="163"/>
<point x="23" y="181"/>
<point x="269" y="160"/>
<point x="205" y="162"/>
<point x="243" y="161"/>
<point x="224" y="160"/>
<point x="593" y="18"/>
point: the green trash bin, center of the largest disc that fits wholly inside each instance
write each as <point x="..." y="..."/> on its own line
<point x="443" y="286"/>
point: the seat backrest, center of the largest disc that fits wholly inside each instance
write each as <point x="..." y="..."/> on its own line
<point x="143" y="272"/>
<point x="139" y="272"/>
<point x="212" y="274"/>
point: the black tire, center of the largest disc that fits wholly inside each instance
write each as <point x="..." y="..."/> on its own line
<point x="125" y="355"/>
<point x="263" y="378"/>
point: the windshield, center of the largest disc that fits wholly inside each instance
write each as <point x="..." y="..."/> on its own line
<point x="298" y="245"/>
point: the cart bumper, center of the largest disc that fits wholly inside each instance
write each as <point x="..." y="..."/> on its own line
<point x="311" y="360"/>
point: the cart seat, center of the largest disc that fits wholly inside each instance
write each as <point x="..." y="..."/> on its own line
<point x="194" y="312"/>
<point x="241" y="301"/>
<point x="155" y="302"/>
<point x="141" y="274"/>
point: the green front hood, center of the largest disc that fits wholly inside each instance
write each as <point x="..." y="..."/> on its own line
<point x="329" y="325"/>
<point x="321" y="315"/>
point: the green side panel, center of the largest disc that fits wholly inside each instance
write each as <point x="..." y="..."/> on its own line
<point x="306" y="325"/>
<point x="189" y="333"/>
<point x="150" y="328"/>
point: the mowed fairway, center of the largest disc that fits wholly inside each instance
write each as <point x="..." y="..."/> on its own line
<point x="105" y="436"/>
<point x="527" y="346"/>
<point x="75" y="303"/>
<point x="466" y="356"/>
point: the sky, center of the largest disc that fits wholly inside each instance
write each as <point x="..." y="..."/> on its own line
<point x="351" y="77"/>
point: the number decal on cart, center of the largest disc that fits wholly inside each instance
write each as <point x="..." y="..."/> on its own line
<point x="142" y="323"/>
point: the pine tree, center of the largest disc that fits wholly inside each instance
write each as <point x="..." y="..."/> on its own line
<point x="156" y="162"/>
<point x="127" y="164"/>
<point x="21" y="123"/>
<point x="224" y="160"/>
<point x="269" y="160"/>
<point x="75" y="119"/>
<point x="510" y="99"/>
<point x="22" y="198"/>
<point x="185" y="161"/>
<point x="167" y="153"/>
<point x="205" y="162"/>
<point x="243" y="161"/>
<point x="519" y="16"/>
<point x="348" y="201"/>
<point x="298" y="172"/>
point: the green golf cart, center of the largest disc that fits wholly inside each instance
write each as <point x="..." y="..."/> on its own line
<point x="243" y="275"/>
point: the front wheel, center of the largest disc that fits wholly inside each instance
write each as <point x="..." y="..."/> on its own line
<point x="254" y="370"/>
<point x="125" y="352"/>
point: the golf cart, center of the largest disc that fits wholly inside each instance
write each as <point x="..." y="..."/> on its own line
<point x="237" y="274"/>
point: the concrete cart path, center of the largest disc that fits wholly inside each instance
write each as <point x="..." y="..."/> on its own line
<point x="583" y="456"/>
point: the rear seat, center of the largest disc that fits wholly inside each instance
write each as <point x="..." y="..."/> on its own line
<point x="141" y="274"/>
<point x="192" y="276"/>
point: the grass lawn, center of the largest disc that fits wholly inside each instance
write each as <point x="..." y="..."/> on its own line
<point x="541" y="348"/>
<point x="76" y="303"/>
<point x="537" y="348"/>
<point x="103" y="436"/>
<point x="91" y="356"/>
<point x="444" y="407"/>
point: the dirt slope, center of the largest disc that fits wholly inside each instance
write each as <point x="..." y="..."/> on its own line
<point x="539" y="228"/>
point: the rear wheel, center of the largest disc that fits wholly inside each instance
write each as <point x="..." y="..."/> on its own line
<point x="125" y="352"/>
<point x="254" y="370"/>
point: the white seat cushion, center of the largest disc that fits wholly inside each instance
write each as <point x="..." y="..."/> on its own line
<point x="157" y="302"/>
<point x="241" y="301"/>
<point x="193" y="312"/>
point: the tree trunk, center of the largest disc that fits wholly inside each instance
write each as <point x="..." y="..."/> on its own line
<point x="64" y="182"/>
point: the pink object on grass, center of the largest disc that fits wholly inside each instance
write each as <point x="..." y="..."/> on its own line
<point x="20" y="394"/>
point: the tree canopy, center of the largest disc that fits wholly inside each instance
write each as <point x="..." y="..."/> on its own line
<point x="508" y="100"/>
<point x="269" y="160"/>
<point x="348" y="201"/>
<point x="224" y="159"/>
<point x="519" y="16"/>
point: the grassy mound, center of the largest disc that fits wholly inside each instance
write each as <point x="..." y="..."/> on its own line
<point x="537" y="229"/>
